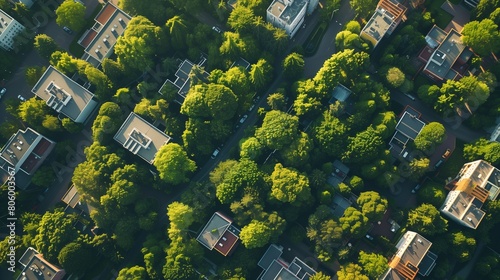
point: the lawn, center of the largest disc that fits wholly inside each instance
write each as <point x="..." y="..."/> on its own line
<point x="454" y="163"/>
<point x="441" y="17"/>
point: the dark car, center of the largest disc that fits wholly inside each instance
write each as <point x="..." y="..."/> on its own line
<point x="68" y="30"/>
<point x="416" y="188"/>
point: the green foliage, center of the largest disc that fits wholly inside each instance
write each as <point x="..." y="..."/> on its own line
<point x="350" y="40"/>
<point x="482" y="36"/>
<point x="330" y="135"/>
<point x="132" y="273"/>
<point x="255" y="235"/>
<point x="462" y="245"/>
<point x="210" y="101"/>
<point x="363" y="8"/>
<point x="297" y="154"/>
<point x="251" y="148"/>
<point x="180" y="215"/>
<point x="241" y="19"/>
<point x="173" y="164"/>
<point x="324" y="232"/>
<point x="155" y="10"/>
<point x="261" y="73"/>
<point x="293" y="66"/>
<point x="44" y="176"/>
<point x="351" y="271"/>
<point x="430" y="137"/>
<point x="231" y="178"/>
<point x="417" y="168"/>
<point x="353" y="26"/>
<point x="77" y="257"/>
<point x="374" y="265"/>
<point x="483" y="149"/>
<point x="320" y="276"/>
<point x="71" y="14"/>
<point x="354" y="223"/>
<point x="107" y="123"/>
<point x="33" y="74"/>
<point x="102" y="83"/>
<point x="365" y="147"/>
<point x="395" y="77"/>
<point x="33" y="112"/>
<point x="485" y="8"/>
<point x="71" y="126"/>
<point x="432" y="193"/>
<point x="45" y="45"/>
<point x="178" y="30"/>
<point x="278" y="130"/>
<point x="372" y="205"/>
<point x="288" y="185"/>
<point x="427" y="220"/>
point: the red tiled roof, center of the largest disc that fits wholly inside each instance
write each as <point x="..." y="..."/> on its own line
<point x="88" y="38"/>
<point x="105" y="14"/>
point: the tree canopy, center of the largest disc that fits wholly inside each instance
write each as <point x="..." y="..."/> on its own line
<point x="482" y="36"/>
<point x="427" y="220"/>
<point x="173" y="164"/>
<point x="289" y="185"/>
<point x="278" y="129"/>
<point x="430" y="136"/>
<point x="372" y="205"/>
<point x="71" y="14"/>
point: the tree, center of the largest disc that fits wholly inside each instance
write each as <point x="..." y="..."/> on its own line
<point x="44" y="176"/>
<point x="462" y="245"/>
<point x="432" y="193"/>
<point x="325" y="233"/>
<point x="76" y="257"/>
<point x="351" y="271"/>
<point x="278" y="129"/>
<point x="374" y="265"/>
<point x="251" y="148"/>
<point x="107" y="123"/>
<point x="418" y="167"/>
<point x="365" y="147"/>
<point x="395" y="77"/>
<point x="330" y="134"/>
<point x="353" y="26"/>
<point x="427" y="220"/>
<point x="261" y="73"/>
<point x="289" y="186"/>
<point x="320" y="276"/>
<point x="33" y="74"/>
<point x="276" y="101"/>
<point x="485" y="8"/>
<point x="54" y="232"/>
<point x="354" y="222"/>
<point x="430" y="136"/>
<point x="482" y="36"/>
<point x="132" y="273"/>
<point x="372" y="205"/>
<point x="241" y="19"/>
<point x="102" y="83"/>
<point x="71" y="14"/>
<point x="297" y="154"/>
<point x="255" y="235"/>
<point x="244" y="175"/>
<point x="45" y="45"/>
<point x="173" y="164"/>
<point x="51" y="123"/>
<point x="363" y="7"/>
<point x="33" y="111"/>
<point x="483" y="149"/>
<point x="178" y="30"/>
<point x="293" y="66"/>
<point x="180" y="215"/>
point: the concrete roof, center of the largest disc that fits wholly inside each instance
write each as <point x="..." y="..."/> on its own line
<point x="383" y="21"/>
<point x="276" y="268"/>
<point x="5" y="20"/>
<point x="340" y="93"/>
<point x="62" y="93"/>
<point x="464" y="208"/>
<point x="286" y="13"/>
<point x="140" y="137"/>
<point x="219" y="234"/>
<point x="37" y="268"/>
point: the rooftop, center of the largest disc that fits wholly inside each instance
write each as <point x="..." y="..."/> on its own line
<point x="140" y="137"/>
<point x="182" y="80"/>
<point x="464" y="208"/>
<point x="110" y="24"/>
<point x="385" y="19"/>
<point x="276" y="268"/>
<point x="5" y="20"/>
<point x="63" y="94"/>
<point x="286" y="10"/>
<point x="407" y="128"/>
<point x="37" y="268"/>
<point x="340" y="93"/>
<point x="219" y="234"/>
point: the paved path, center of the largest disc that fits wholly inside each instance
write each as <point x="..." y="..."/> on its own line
<point x="461" y="15"/>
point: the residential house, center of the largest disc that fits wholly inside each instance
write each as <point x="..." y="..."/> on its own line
<point x="476" y="182"/>
<point x="182" y="83"/>
<point x="287" y="14"/>
<point x="9" y="29"/>
<point x="140" y="137"/>
<point x="275" y="267"/>
<point x="413" y="256"/>
<point x="35" y="267"/>
<point x="23" y="154"/>
<point x="74" y="202"/>
<point x="445" y="56"/>
<point x="407" y="128"/>
<point x="220" y="234"/>
<point x="387" y="16"/>
<point x="99" y="41"/>
<point x="343" y="95"/>
<point x="65" y="96"/>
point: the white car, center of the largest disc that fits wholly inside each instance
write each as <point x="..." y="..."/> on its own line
<point x="216" y="29"/>
<point x="21" y="98"/>
<point x="243" y="119"/>
<point x="2" y="92"/>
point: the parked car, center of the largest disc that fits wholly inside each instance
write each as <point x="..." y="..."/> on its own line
<point x="215" y="153"/>
<point x="410" y="96"/>
<point x="21" y="98"/>
<point x="446" y="154"/>
<point x="369" y="237"/>
<point x="2" y="92"/>
<point x="438" y="164"/>
<point x="416" y="188"/>
<point x="68" y="30"/>
<point x="243" y="119"/>
<point x="217" y="29"/>
<point x="251" y="108"/>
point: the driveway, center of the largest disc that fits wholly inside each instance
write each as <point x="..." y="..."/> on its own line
<point x="461" y="16"/>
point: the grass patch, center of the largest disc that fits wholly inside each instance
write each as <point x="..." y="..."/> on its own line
<point x="454" y="163"/>
<point x="311" y="45"/>
<point x="74" y="48"/>
<point x="441" y="17"/>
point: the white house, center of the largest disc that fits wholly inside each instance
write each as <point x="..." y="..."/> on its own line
<point x="287" y="14"/>
<point x="9" y="28"/>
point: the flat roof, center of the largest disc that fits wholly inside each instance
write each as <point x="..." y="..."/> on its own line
<point x="410" y="125"/>
<point x="445" y="55"/>
<point x="140" y="137"/>
<point x="18" y="145"/>
<point x="5" y="20"/>
<point x="111" y="23"/>
<point x="71" y="197"/>
<point x="464" y="207"/>
<point x="38" y="268"/>
<point x="482" y="174"/>
<point x="272" y="253"/>
<point x="182" y="80"/>
<point x="286" y="13"/>
<point x="378" y="25"/>
<point x="62" y="93"/>
<point x="214" y="230"/>
<point x="340" y="93"/>
<point x="227" y="241"/>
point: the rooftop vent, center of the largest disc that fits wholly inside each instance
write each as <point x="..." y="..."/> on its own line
<point x="112" y="30"/>
<point x="96" y="50"/>
<point x="419" y="241"/>
<point x="120" y="19"/>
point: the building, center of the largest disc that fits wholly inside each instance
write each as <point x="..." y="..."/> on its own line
<point x="24" y="153"/>
<point x="35" y="267"/>
<point x="140" y="137"/>
<point x="407" y="128"/>
<point x="343" y="95"/>
<point x="287" y="14"/>
<point x="220" y="234"/>
<point x="110" y="23"/>
<point x="387" y="16"/>
<point x="413" y="256"/>
<point x="445" y="56"/>
<point x="73" y="201"/>
<point x="182" y="82"/>
<point x="9" y="29"/>
<point x="65" y="96"/>
<point x="275" y="267"/>
<point x="476" y="182"/>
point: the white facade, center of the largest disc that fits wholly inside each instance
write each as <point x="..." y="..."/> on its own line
<point x="287" y="14"/>
<point x="9" y="28"/>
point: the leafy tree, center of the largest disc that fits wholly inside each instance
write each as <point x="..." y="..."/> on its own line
<point x="432" y="193"/>
<point x="132" y="273"/>
<point x="374" y="265"/>
<point x="54" y="232"/>
<point x="76" y="257"/>
<point x="51" y="123"/>
<point x="44" y="176"/>
<point x="64" y="62"/>
<point x="33" y="111"/>
<point x="297" y="154"/>
<point x="178" y="30"/>
<point x="251" y="148"/>
<point x="293" y="66"/>
<point x="180" y="215"/>
<point x="320" y="276"/>
<point x="241" y="19"/>
<point x="418" y="167"/>
<point x="430" y="136"/>
<point x="107" y="122"/>
<point x="363" y="7"/>
<point x="173" y="164"/>
<point x="71" y="126"/>
<point x="212" y="101"/>
<point x="244" y="175"/>
<point x="372" y="205"/>
<point x="102" y="83"/>
<point x="255" y="235"/>
<point x="353" y="26"/>
<point x="33" y="74"/>
<point x="278" y="129"/>
<point x="71" y="14"/>
<point x="261" y="73"/>
<point x="483" y="149"/>
<point x="326" y="235"/>
<point x="155" y="10"/>
<point x="351" y="271"/>
<point x="427" y="220"/>
<point x="350" y="40"/>
<point x="289" y="186"/>
<point x="462" y="245"/>
<point x="395" y="77"/>
<point x="485" y="8"/>
<point x="45" y="45"/>
<point x="364" y="147"/>
<point x="330" y="135"/>
<point x="354" y="222"/>
<point x="276" y="101"/>
<point x="482" y="36"/>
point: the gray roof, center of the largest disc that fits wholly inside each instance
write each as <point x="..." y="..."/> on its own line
<point x="37" y="268"/>
<point x="182" y="80"/>
<point x="464" y="208"/>
<point x="213" y="230"/>
<point x="340" y="93"/>
<point x="276" y="268"/>
<point x="272" y="253"/>
<point x="286" y="10"/>
<point x="140" y="137"/>
<point x="64" y="95"/>
<point x="410" y="125"/>
<point x="5" y="20"/>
